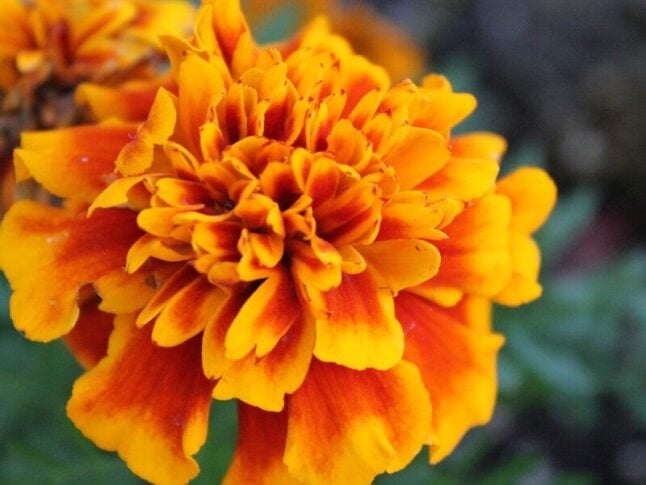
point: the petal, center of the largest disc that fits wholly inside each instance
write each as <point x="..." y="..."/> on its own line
<point x="123" y="292"/>
<point x="48" y="255"/>
<point x="181" y="193"/>
<point x="263" y="382"/>
<point x="265" y="317"/>
<point x="129" y="102"/>
<point x="462" y="178"/>
<point x="149" y="404"/>
<point x="473" y="311"/>
<point x="229" y="25"/>
<point x="176" y="282"/>
<point x="532" y="194"/>
<point x="218" y="239"/>
<point x="88" y="340"/>
<point x="445" y="109"/>
<point x="419" y="155"/>
<point x="475" y="256"/>
<point x="402" y="262"/>
<point x="116" y="194"/>
<point x="309" y="270"/>
<point x="76" y="163"/>
<point x="258" y="458"/>
<point x="186" y="313"/>
<point x="214" y="361"/>
<point x="137" y="155"/>
<point x="458" y="366"/>
<point x="479" y="145"/>
<point x="200" y="82"/>
<point x="346" y="426"/>
<point x="402" y="220"/>
<point x="356" y="325"/>
<point x="523" y="286"/>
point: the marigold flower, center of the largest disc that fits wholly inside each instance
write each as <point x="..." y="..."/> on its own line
<point x="48" y="47"/>
<point x="287" y="229"/>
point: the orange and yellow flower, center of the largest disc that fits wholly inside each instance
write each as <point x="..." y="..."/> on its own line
<point x="49" y="47"/>
<point x="288" y="229"/>
<point x="67" y="41"/>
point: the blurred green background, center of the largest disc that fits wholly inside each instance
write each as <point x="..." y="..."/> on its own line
<point x="564" y="82"/>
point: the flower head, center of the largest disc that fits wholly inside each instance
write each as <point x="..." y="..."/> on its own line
<point x="288" y="229"/>
<point x="79" y="40"/>
<point x="49" y="47"/>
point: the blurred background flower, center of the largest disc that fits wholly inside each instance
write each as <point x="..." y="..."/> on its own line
<point x="564" y="82"/>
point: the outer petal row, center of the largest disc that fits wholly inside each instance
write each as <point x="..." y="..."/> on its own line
<point x="49" y="255"/>
<point x="148" y="403"/>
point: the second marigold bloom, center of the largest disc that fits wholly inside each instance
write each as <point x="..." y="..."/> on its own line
<point x="49" y="47"/>
<point x="288" y="229"/>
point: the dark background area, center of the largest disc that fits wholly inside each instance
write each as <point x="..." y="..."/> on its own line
<point x="565" y="82"/>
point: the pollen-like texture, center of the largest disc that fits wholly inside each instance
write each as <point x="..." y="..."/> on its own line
<point x="287" y="228"/>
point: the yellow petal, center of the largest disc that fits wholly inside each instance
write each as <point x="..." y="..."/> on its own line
<point x="532" y="194"/>
<point x="458" y="367"/>
<point x="402" y="262"/>
<point x="48" y="255"/>
<point x="265" y="317"/>
<point x="356" y="325"/>
<point x="149" y="404"/>
<point x="346" y="426"/>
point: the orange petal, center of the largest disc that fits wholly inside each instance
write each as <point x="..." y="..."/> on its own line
<point x="263" y="382"/>
<point x="229" y="25"/>
<point x="532" y="194"/>
<point x="178" y="280"/>
<point x="265" y="317"/>
<point x="117" y="193"/>
<point x="149" y="404"/>
<point x="148" y="246"/>
<point x="444" y="108"/>
<point x="462" y="178"/>
<point x="160" y="221"/>
<point x="417" y="156"/>
<point x="458" y="366"/>
<point x="475" y="256"/>
<point x="88" y="340"/>
<point x="347" y="426"/>
<point x="308" y="269"/>
<point x="214" y="360"/>
<point x="130" y="102"/>
<point x="479" y="145"/>
<point x="199" y="84"/>
<point x="137" y="155"/>
<point x="473" y="311"/>
<point x="356" y="325"/>
<point x="402" y="262"/>
<point x="445" y="296"/>
<point x="402" y="220"/>
<point x="122" y="292"/>
<point x="218" y="239"/>
<point x="523" y="286"/>
<point x="258" y="459"/>
<point x="186" y="313"/>
<point x="76" y="163"/>
<point x="48" y="255"/>
<point x="182" y="193"/>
